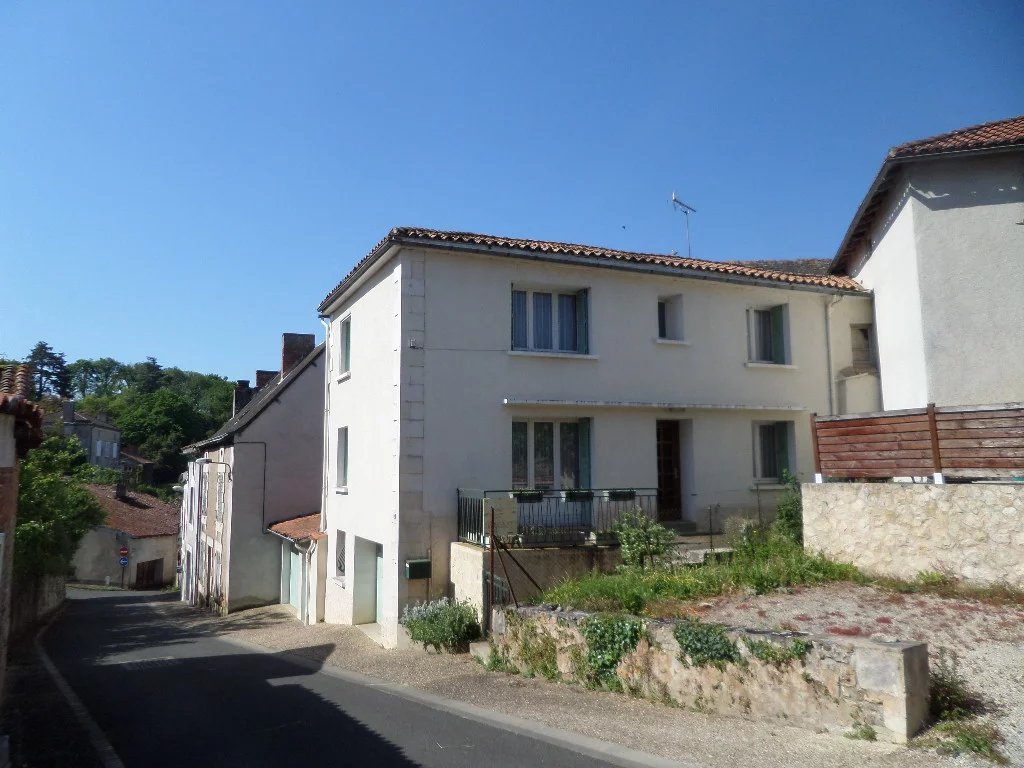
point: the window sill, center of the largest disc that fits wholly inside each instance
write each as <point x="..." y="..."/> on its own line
<point x="562" y="355"/>
<point x="343" y="490"/>
<point x="768" y="486"/>
<point x="756" y="364"/>
<point x="345" y="376"/>
<point x="339" y="581"/>
<point x="672" y="342"/>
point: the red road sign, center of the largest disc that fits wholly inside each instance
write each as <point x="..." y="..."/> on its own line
<point x="123" y="551"/>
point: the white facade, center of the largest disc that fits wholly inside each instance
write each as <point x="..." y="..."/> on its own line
<point x="433" y="389"/>
<point x="946" y="264"/>
<point x="266" y="470"/>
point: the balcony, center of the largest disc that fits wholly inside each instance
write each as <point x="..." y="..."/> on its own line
<point x="566" y="518"/>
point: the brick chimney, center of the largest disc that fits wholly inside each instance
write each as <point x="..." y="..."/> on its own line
<point x="264" y="377"/>
<point x="243" y="394"/>
<point x="294" y="347"/>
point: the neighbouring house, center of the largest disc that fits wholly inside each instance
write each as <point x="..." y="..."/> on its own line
<point x="573" y="379"/>
<point x="140" y="467"/>
<point x="100" y="438"/>
<point x="21" y="428"/>
<point x="301" y="562"/>
<point x="939" y="240"/>
<point x="263" y="466"/>
<point x="143" y="525"/>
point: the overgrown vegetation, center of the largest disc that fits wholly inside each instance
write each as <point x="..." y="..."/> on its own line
<point x="862" y="731"/>
<point x="778" y="655"/>
<point x="703" y="644"/>
<point x="609" y="638"/>
<point x="54" y="510"/>
<point x="538" y="651"/>
<point x="764" y="562"/>
<point x="642" y="541"/>
<point x="442" y="624"/>
<point x="789" y="514"/>
<point x="954" y="709"/>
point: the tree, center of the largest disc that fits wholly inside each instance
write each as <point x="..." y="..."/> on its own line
<point x="49" y="371"/>
<point x="159" y="424"/>
<point x="104" y="377"/>
<point x="145" y="377"/>
<point x="54" y="509"/>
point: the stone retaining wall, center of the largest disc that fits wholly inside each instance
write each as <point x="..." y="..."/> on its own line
<point x="838" y="684"/>
<point x="970" y="531"/>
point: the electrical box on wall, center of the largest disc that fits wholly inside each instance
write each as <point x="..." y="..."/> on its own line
<point x="417" y="569"/>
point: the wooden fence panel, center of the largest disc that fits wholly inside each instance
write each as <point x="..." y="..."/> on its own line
<point x="978" y="441"/>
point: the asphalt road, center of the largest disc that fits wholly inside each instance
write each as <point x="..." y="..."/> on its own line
<point x="164" y="695"/>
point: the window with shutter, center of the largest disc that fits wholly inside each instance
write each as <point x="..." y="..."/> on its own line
<point x="768" y="335"/>
<point x="342" y="458"/>
<point x="548" y="321"/>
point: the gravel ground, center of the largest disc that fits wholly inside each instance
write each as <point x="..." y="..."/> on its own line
<point x="714" y="742"/>
<point x="988" y="640"/>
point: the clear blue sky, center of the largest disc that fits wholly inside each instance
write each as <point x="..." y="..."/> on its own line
<point x="188" y="179"/>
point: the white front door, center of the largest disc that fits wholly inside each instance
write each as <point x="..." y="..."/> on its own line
<point x="294" y="579"/>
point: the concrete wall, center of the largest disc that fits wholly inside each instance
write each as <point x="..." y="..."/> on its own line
<point x="33" y="599"/>
<point x="973" y="531"/>
<point x="945" y="267"/>
<point x="837" y="685"/>
<point x="470" y="564"/>
<point x="97" y="558"/>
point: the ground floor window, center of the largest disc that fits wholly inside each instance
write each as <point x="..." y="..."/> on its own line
<point x="549" y="455"/>
<point x="339" y="554"/>
<point x="773" y="441"/>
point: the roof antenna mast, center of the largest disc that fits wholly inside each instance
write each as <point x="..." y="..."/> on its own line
<point x="687" y="210"/>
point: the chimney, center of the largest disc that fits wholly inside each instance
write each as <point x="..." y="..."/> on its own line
<point x="264" y="377"/>
<point x="294" y="347"/>
<point x="68" y="407"/>
<point x="243" y="394"/>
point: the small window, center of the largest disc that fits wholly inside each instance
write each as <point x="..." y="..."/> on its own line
<point x="767" y="333"/>
<point x="220" y="495"/>
<point x="546" y="321"/>
<point x="339" y="554"/>
<point x="551" y="455"/>
<point x="99" y="449"/>
<point x="345" y="346"/>
<point x="342" y="457"/>
<point x="772" y="441"/>
<point x="670" y="318"/>
<point x="863" y="342"/>
<point x="117" y="450"/>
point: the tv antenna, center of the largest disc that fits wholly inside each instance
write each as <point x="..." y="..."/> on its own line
<point x="687" y="210"/>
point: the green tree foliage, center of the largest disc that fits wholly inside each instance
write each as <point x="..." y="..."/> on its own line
<point x="54" y="509"/>
<point x="103" y="377"/>
<point x="49" y="371"/>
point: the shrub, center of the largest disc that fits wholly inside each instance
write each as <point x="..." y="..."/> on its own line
<point x="609" y="638"/>
<point x="862" y="731"/>
<point x="642" y="540"/>
<point x="789" y="514"/>
<point x="960" y="737"/>
<point x="778" y="655"/>
<point x="948" y="696"/>
<point x="702" y="644"/>
<point x="441" y="624"/>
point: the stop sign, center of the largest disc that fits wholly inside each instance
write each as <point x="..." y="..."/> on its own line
<point x="123" y="551"/>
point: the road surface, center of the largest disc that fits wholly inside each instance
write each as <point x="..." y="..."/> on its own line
<point x="166" y="695"/>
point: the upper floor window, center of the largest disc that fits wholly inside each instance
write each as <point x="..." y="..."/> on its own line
<point x="772" y="450"/>
<point x="345" y="346"/>
<point x="220" y="495"/>
<point x="549" y="455"/>
<point x="767" y="335"/>
<point x="341" y="458"/>
<point x="546" y="321"/>
<point x="670" y="318"/>
<point x="863" y="342"/>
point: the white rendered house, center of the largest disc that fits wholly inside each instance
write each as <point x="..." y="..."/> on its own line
<point x="262" y="467"/>
<point x="460" y="361"/>
<point x="939" y="240"/>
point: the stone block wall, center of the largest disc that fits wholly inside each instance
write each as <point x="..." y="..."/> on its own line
<point x="973" y="532"/>
<point x="838" y="684"/>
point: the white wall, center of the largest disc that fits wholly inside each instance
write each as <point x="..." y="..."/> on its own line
<point x="96" y="558"/>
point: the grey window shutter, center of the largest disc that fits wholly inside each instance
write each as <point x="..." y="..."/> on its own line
<point x="779" y="334"/>
<point x="583" y="322"/>
<point x="519" y="337"/>
<point x="584" y="453"/>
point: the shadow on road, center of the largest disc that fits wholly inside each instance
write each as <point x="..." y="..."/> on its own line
<point x="170" y="695"/>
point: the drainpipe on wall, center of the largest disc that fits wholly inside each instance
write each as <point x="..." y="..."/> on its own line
<point x="828" y="352"/>
<point x="326" y="321"/>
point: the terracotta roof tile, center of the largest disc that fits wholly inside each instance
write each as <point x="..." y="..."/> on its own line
<point x="15" y="391"/>
<point x="1001" y="133"/>
<point x="510" y="245"/>
<point x="303" y="528"/>
<point x="139" y="515"/>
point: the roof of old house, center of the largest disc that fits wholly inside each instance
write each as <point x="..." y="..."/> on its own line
<point x="554" y="251"/>
<point x="1001" y="135"/>
<point x="138" y="514"/>
<point x="263" y="398"/>
<point x="15" y="394"/>
<point x="134" y="458"/>
<point x="302" y="528"/>
<point x="793" y="266"/>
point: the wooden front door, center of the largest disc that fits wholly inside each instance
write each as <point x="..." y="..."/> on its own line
<point x="670" y="495"/>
